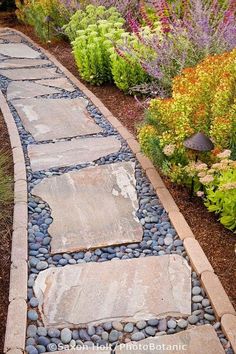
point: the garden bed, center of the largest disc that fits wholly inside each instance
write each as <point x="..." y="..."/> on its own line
<point x="5" y="236"/>
<point x="217" y="242"/>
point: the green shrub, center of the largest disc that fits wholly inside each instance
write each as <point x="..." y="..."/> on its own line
<point x="92" y="50"/>
<point x="216" y="183"/>
<point x="126" y="70"/>
<point x="91" y="16"/>
<point x="35" y="13"/>
<point x="203" y="101"/>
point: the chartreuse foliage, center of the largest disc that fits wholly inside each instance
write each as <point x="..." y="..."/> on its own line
<point x="221" y="196"/>
<point x="80" y="20"/>
<point x="91" y="49"/>
<point x="126" y="70"/>
<point x="99" y="33"/>
<point x="216" y="183"/>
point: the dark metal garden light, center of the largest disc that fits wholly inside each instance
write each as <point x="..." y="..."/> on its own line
<point x="48" y="19"/>
<point x="198" y="142"/>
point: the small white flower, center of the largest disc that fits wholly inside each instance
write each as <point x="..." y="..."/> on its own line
<point x="207" y="179"/>
<point x="224" y="155"/>
<point x="169" y="149"/>
<point x="200" y="194"/>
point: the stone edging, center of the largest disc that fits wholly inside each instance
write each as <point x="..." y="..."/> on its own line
<point x="17" y="310"/>
<point x="210" y="281"/>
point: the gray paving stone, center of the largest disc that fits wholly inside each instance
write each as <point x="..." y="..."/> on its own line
<point x="61" y="82"/>
<point x="201" y="339"/>
<point x="127" y="290"/>
<point x="67" y="153"/>
<point x="18" y="50"/>
<point x="22" y="63"/>
<point x="48" y="119"/>
<point x="27" y="89"/>
<point x="29" y="74"/>
<point x="101" y="202"/>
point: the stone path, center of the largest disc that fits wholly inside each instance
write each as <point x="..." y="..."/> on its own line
<point x="105" y="264"/>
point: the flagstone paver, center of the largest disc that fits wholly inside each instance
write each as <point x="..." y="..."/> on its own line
<point x="18" y="50"/>
<point x="68" y="153"/>
<point x="129" y="290"/>
<point x="22" y="63"/>
<point x="197" y="340"/>
<point x="29" y="74"/>
<point x="48" y="119"/>
<point x="27" y="89"/>
<point x="11" y="37"/>
<point x="85" y="225"/>
<point x="61" y="82"/>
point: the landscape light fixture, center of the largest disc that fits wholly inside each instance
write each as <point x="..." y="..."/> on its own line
<point x="198" y="142"/>
<point x="48" y="19"/>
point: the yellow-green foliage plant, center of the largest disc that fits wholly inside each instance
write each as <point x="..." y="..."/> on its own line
<point x="81" y="19"/>
<point x="126" y="69"/>
<point x="91" y="49"/>
<point x="216" y="184"/>
<point x="204" y="99"/>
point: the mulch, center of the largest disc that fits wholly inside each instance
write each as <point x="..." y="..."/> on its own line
<point x="217" y="242"/>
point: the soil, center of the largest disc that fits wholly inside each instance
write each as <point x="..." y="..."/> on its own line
<point x="6" y="213"/>
<point x="217" y="242"/>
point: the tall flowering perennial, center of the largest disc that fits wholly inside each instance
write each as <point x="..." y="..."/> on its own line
<point x="200" y="29"/>
<point x="203" y="100"/>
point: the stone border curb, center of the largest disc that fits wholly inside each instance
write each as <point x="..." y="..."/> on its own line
<point x="228" y="324"/>
<point x="17" y="309"/>
<point x="197" y="257"/>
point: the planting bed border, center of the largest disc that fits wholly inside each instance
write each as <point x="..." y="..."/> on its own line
<point x="17" y="311"/>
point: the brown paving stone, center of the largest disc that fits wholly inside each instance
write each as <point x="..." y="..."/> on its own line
<point x="67" y="153"/>
<point x="18" y="280"/>
<point x="16" y="325"/>
<point x="48" y="119"/>
<point x="90" y="223"/>
<point x="180" y="224"/>
<point x="197" y="340"/>
<point x="127" y="290"/>
<point x="196" y="255"/>
<point x="228" y="324"/>
<point x="217" y="295"/>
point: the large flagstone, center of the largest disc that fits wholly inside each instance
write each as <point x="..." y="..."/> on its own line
<point x="93" y="207"/>
<point x="124" y="290"/>
<point x="29" y="74"/>
<point x="27" y="89"/>
<point x="18" y="50"/>
<point x="22" y="63"/>
<point x="61" y="82"/>
<point x="14" y="38"/>
<point x="48" y="119"/>
<point x="197" y="340"/>
<point x="68" y="153"/>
